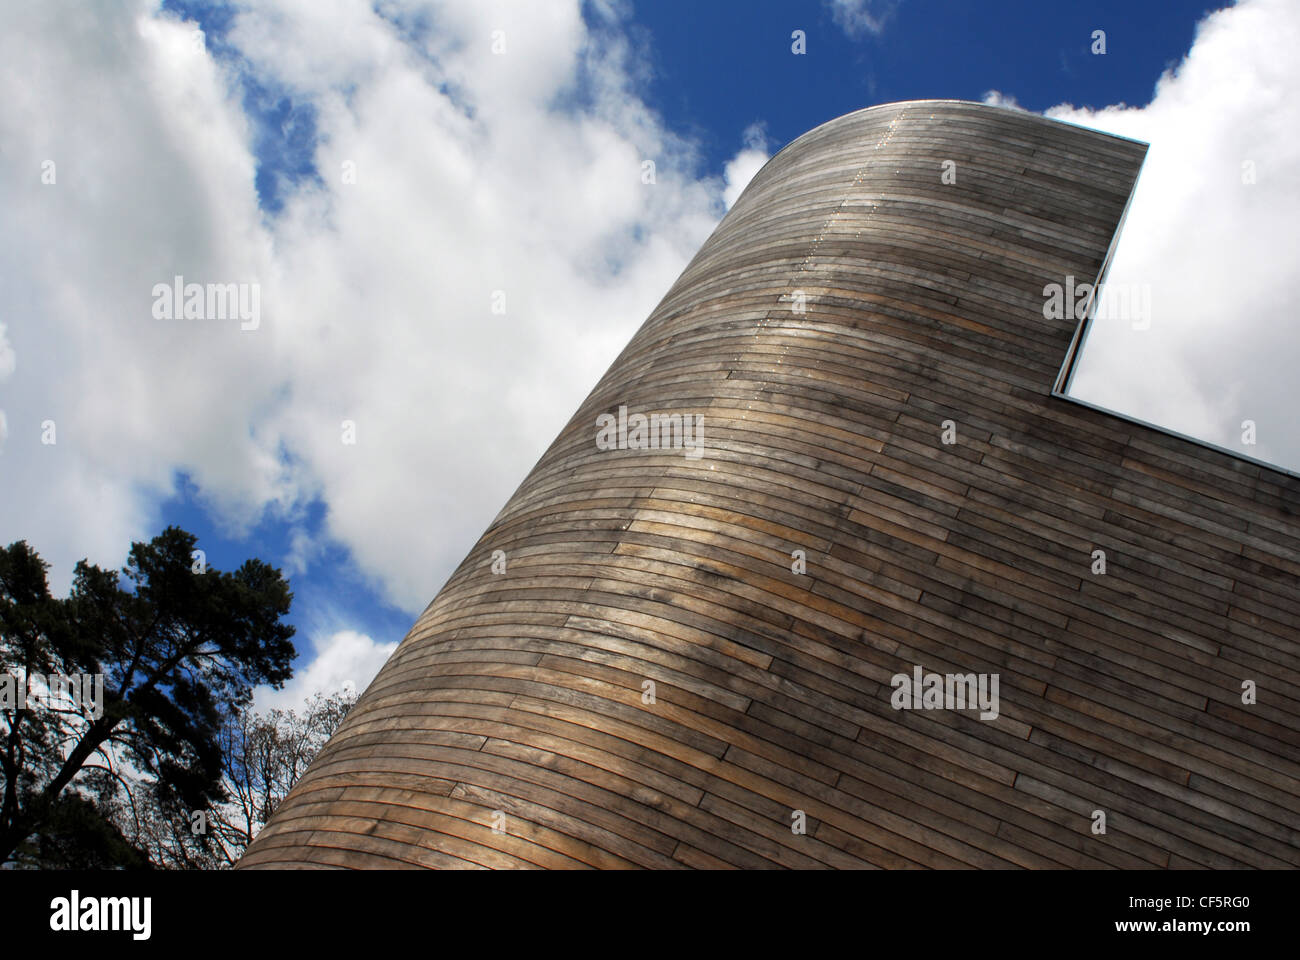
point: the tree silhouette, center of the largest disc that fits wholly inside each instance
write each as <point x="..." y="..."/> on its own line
<point x="179" y="647"/>
<point x="263" y="755"/>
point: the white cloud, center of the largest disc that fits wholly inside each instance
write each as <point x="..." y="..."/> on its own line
<point x="150" y="174"/>
<point x="1218" y="254"/>
<point x="741" y="168"/>
<point x="996" y="98"/>
<point x="375" y="295"/>
<point x="344" y="659"/>
<point x="7" y="364"/>
<point x="304" y="550"/>
<point x="7" y="359"/>
<point x="858" y="17"/>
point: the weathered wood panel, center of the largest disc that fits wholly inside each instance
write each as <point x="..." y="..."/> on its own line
<point x="848" y="305"/>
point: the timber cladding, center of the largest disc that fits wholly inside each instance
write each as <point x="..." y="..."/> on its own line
<point x="697" y="653"/>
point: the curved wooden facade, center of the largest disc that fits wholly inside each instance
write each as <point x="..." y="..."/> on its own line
<point x="511" y="728"/>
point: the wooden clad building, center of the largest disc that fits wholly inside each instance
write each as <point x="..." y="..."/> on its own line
<point x="680" y="654"/>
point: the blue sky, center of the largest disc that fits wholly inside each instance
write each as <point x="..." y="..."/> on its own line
<point x="227" y="156"/>
<point x="716" y="72"/>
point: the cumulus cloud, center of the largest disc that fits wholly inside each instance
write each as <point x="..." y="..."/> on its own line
<point x="996" y="98"/>
<point x="472" y="248"/>
<point x="106" y="195"/>
<point x="1211" y="235"/>
<point x="860" y="17"/>
<point x="741" y="168"/>
<point x="345" y="661"/>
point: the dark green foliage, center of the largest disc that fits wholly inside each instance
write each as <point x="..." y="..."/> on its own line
<point x="77" y="836"/>
<point x="179" y="650"/>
